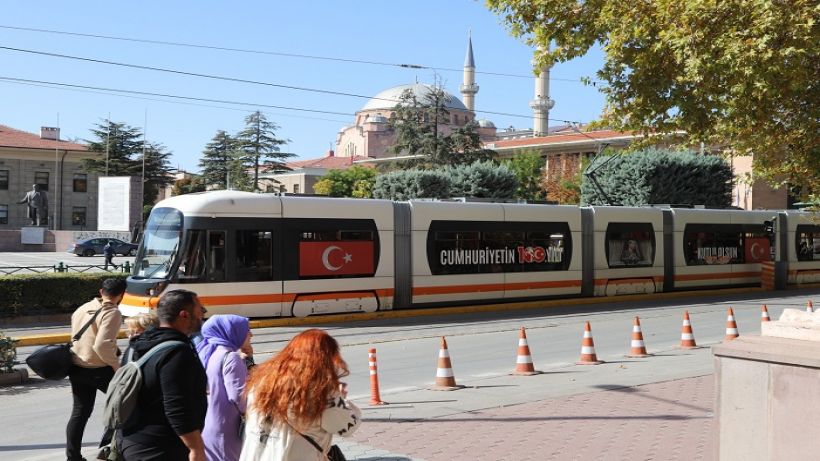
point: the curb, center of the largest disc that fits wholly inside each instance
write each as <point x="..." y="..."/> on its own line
<point x="61" y="338"/>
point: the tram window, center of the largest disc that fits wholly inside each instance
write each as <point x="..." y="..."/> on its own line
<point x="807" y="243"/>
<point x="497" y="247"/>
<point x="192" y="264"/>
<point x="630" y="245"/>
<point x="216" y="256"/>
<point x="335" y="236"/>
<point x="715" y="244"/>
<point x="254" y="255"/>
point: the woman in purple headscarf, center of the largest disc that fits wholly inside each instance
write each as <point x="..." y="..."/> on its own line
<point x="222" y="338"/>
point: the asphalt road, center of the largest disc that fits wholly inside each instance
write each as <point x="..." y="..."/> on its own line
<point x="483" y="350"/>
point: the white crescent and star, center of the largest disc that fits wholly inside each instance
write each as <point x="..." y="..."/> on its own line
<point x="753" y="250"/>
<point x="326" y="258"/>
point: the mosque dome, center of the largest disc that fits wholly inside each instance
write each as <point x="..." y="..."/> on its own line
<point x="484" y="123"/>
<point x="388" y="98"/>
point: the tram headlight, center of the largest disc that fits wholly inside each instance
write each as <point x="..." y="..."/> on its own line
<point x="157" y="289"/>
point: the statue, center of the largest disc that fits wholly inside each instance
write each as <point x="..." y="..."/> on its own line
<point x="37" y="202"/>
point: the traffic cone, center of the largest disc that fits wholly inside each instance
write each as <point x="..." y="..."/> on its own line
<point x="375" y="398"/>
<point x="809" y="307"/>
<point x="687" y="337"/>
<point x="588" y="356"/>
<point x="731" y="326"/>
<point x="638" y="349"/>
<point x="445" y="380"/>
<point x="523" y="362"/>
<point x="764" y="314"/>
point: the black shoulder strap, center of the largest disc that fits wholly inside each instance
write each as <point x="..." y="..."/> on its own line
<point x="88" y="324"/>
<point x="312" y="442"/>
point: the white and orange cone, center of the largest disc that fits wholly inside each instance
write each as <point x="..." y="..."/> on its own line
<point x="687" y="336"/>
<point x="445" y="379"/>
<point x="809" y="307"/>
<point x="523" y="361"/>
<point x="764" y="314"/>
<point x="638" y="348"/>
<point x="731" y="326"/>
<point x="375" y="398"/>
<point x="588" y="356"/>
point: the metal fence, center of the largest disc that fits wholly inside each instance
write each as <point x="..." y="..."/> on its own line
<point x="61" y="267"/>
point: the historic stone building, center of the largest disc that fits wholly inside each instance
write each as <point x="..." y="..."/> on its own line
<point x="55" y="166"/>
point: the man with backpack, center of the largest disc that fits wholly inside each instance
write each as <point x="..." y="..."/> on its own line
<point x="94" y="358"/>
<point x="167" y="421"/>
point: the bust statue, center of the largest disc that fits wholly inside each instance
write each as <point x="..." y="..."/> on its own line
<point x="37" y="202"/>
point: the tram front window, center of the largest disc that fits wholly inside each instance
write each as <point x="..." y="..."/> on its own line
<point x="159" y="244"/>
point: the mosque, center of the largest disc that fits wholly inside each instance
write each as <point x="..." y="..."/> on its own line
<point x="370" y="135"/>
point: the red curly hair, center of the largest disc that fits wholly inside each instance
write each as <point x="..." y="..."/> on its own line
<point x="298" y="381"/>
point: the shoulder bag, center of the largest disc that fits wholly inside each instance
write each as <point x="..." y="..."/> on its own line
<point x="334" y="454"/>
<point x="53" y="361"/>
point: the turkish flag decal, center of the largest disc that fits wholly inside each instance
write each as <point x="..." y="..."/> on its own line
<point x="336" y="258"/>
<point x="757" y="250"/>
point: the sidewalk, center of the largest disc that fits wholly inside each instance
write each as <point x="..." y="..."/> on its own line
<point x="670" y="420"/>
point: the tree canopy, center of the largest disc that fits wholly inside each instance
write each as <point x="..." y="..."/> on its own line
<point x="259" y="146"/>
<point x="420" y="130"/>
<point x="220" y="161"/>
<point x="742" y="74"/>
<point x="356" y="181"/>
<point x="124" y="147"/>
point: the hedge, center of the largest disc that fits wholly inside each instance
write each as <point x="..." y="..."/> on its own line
<point x="36" y="294"/>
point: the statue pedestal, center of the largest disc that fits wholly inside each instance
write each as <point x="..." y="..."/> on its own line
<point x="33" y="235"/>
<point x="767" y="392"/>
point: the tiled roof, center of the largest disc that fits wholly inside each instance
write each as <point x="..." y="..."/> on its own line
<point x="10" y="137"/>
<point x="328" y="163"/>
<point x="561" y="138"/>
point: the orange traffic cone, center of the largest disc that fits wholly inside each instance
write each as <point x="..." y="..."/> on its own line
<point x="638" y="349"/>
<point x="523" y="362"/>
<point x="764" y="314"/>
<point x="588" y="356"/>
<point x="731" y="326"/>
<point x="445" y="380"/>
<point x="375" y="398"/>
<point x="809" y="307"/>
<point x="687" y="337"/>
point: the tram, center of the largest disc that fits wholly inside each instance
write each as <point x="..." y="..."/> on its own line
<point x="266" y="255"/>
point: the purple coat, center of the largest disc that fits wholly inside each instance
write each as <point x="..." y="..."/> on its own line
<point x="226" y="405"/>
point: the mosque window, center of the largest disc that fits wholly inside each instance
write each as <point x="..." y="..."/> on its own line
<point x="455" y="119"/>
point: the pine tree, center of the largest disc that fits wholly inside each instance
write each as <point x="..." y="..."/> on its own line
<point x="218" y="160"/>
<point x="259" y="146"/>
<point x="125" y="157"/>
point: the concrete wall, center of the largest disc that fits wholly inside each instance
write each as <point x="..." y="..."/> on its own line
<point x="768" y="403"/>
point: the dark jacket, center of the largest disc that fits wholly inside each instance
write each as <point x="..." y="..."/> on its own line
<point x="172" y="400"/>
<point x="108" y="249"/>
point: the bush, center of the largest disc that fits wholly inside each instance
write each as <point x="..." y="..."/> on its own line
<point x="412" y="184"/>
<point x="659" y="176"/>
<point x="33" y="294"/>
<point x="482" y="180"/>
<point x="8" y="354"/>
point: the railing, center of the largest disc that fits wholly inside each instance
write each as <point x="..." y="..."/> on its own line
<point x="61" y="267"/>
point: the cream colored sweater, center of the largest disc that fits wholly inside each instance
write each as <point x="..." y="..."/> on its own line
<point x="97" y="347"/>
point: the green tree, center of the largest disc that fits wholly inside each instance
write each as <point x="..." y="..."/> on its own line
<point x="356" y="181"/>
<point x="527" y="167"/>
<point x="260" y="147"/>
<point x="219" y="159"/>
<point x="412" y="184"/>
<point x="124" y="145"/>
<point x="481" y="180"/>
<point x="737" y="73"/>
<point x="420" y="130"/>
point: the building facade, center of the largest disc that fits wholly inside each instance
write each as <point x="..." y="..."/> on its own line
<point x="56" y="167"/>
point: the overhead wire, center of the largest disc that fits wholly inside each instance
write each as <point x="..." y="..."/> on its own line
<point x="276" y="53"/>
<point x="238" y="80"/>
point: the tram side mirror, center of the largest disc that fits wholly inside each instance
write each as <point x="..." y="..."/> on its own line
<point x="768" y="227"/>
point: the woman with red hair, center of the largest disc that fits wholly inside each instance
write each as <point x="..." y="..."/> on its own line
<point x="296" y="402"/>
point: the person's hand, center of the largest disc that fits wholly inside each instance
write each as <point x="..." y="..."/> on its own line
<point x="197" y="455"/>
<point x="343" y="389"/>
<point x="246" y="349"/>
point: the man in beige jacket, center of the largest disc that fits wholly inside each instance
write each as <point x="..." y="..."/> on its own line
<point x="95" y="357"/>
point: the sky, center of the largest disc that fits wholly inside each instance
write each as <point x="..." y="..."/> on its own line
<point x="430" y="33"/>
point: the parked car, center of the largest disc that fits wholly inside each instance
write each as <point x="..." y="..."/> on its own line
<point x="91" y="247"/>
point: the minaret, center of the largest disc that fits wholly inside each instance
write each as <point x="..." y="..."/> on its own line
<point x="542" y="103"/>
<point x="468" y="87"/>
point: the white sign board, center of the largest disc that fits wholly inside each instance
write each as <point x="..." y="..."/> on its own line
<point x="114" y="202"/>
<point x="32" y="235"/>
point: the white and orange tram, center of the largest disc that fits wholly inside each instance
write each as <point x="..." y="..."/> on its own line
<point x="265" y="255"/>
